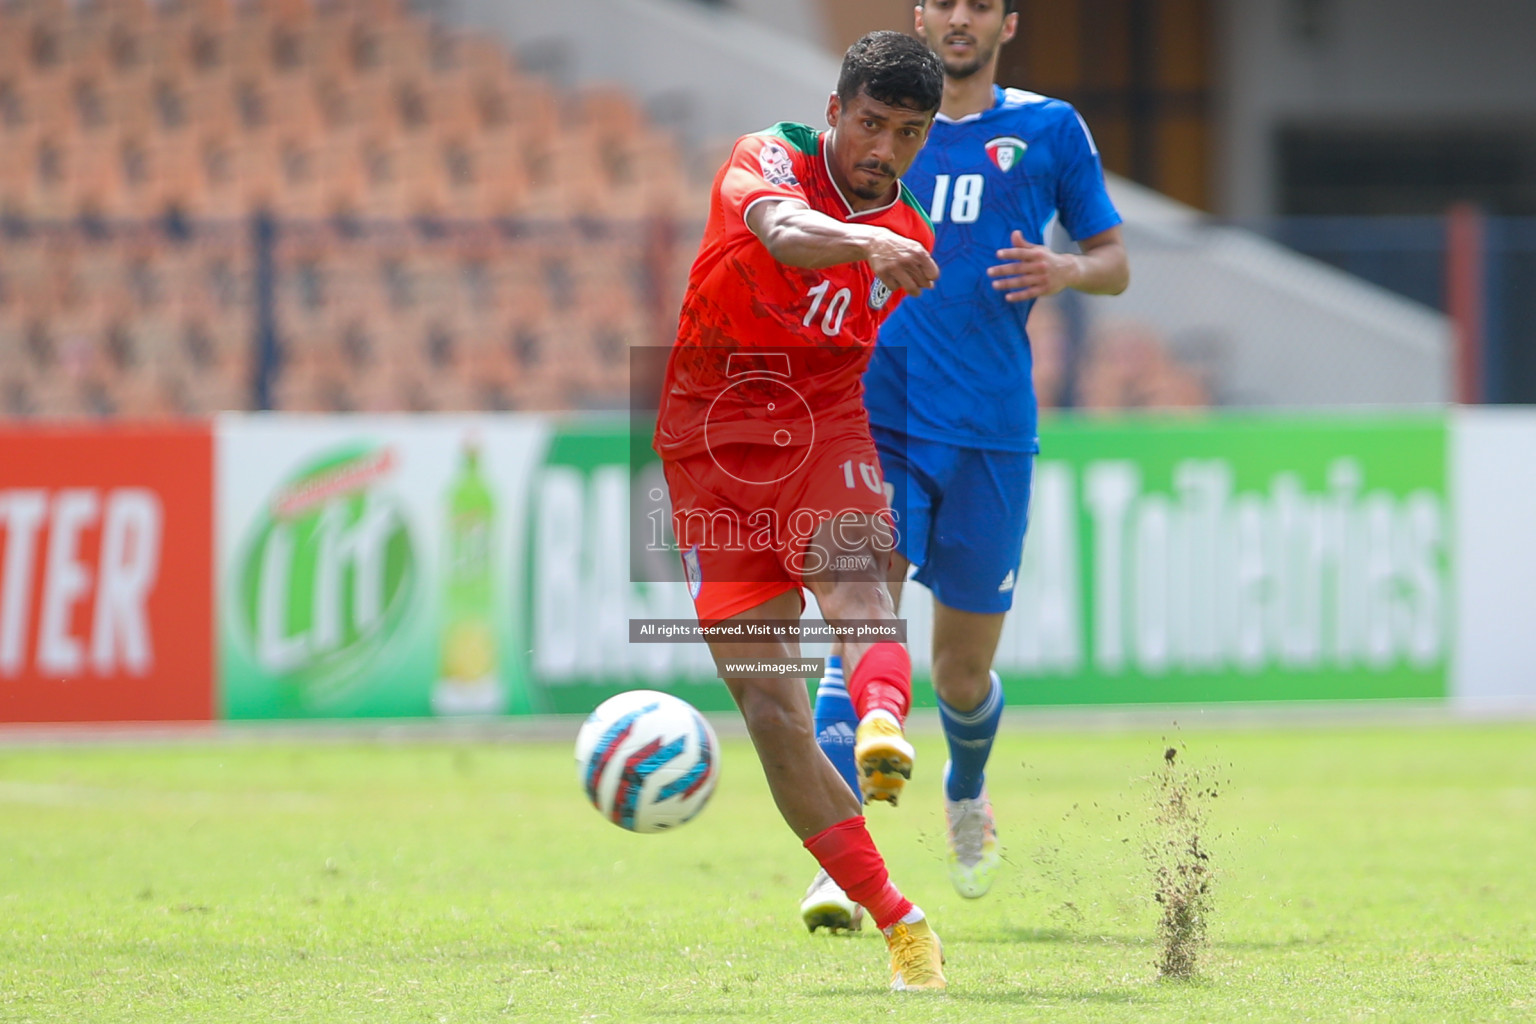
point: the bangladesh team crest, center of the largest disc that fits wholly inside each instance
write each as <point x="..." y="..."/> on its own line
<point x="1005" y="151"/>
<point x="879" y="294"/>
<point x="693" y="571"/>
<point x="776" y="165"/>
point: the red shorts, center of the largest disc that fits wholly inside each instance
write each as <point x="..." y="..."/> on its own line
<point x="743" y="515"/>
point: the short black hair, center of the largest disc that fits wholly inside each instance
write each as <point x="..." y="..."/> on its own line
<point x="893" y="68"/>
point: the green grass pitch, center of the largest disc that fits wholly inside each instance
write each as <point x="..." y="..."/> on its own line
<point x="1363" y="873"/>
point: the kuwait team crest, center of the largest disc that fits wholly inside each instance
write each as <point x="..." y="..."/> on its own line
<point x="1005" y="151"/>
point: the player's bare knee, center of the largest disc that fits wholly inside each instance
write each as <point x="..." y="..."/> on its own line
<point x="854" y="600"/>
<point x="961" y="680"/>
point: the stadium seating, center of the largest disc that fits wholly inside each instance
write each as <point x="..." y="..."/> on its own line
<point x="1128" y="367"/>
<point x="1120" y="366"/>
<point x="449" y="231"/>
<point x="452" y="232"/>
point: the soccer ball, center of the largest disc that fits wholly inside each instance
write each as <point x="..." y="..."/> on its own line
<point x="647" y="760"/>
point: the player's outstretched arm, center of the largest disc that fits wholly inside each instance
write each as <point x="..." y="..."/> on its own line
<point x="1033" y="271"/>
<point x="799" y="236"/>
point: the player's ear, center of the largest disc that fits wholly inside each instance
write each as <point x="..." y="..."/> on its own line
<point x="834" y="108"/>
<point x="1010" y="27"/>
<point x="917" y="19"/>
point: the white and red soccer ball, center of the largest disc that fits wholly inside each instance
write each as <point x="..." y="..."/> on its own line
<point x="647" y="760"/>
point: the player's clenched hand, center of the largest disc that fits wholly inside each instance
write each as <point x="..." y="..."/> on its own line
<point x="902" y="264"/>
<point x="1031" y="271"/>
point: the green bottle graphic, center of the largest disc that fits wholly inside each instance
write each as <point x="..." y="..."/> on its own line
<point x="468" y="683"/>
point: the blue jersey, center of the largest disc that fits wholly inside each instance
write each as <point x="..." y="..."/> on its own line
<point x="967" y="374"/>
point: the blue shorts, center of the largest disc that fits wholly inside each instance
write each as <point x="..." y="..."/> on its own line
<point x="960" y="514"/>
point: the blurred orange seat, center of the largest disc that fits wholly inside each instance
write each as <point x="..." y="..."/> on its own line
<point x="147" y="397"/>
<point x="220" y="192"/>
<point x="141" y="169"/>
<point x="221" y="394"/>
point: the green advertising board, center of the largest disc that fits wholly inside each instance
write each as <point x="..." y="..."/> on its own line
<point x="482" y="565"/>
<point x="367" y="565"/>
<point x="1238" y="558"/>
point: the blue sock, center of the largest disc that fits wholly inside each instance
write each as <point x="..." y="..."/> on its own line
<point x="970" y="735"/>
<point x="835" y="722"/>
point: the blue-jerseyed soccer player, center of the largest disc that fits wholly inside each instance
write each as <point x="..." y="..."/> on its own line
<point x="951" y="399"/>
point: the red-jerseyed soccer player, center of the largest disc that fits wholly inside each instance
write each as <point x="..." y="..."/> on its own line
<point x="774" y="480"/>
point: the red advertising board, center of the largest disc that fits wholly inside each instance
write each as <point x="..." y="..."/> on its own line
<point x="106" y="575"/>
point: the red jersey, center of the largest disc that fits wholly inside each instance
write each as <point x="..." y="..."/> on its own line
<point x="757" y="337"/>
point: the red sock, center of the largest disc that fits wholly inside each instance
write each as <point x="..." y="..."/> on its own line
<point x="848" y="854"/>
<point x="882" y="679"/>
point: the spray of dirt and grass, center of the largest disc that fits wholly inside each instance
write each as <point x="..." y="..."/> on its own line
<point x="1182" y="875"/>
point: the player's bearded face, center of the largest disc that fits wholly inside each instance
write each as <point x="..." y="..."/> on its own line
<point x="965" y="40"/>
<point x="873" y="144"/>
